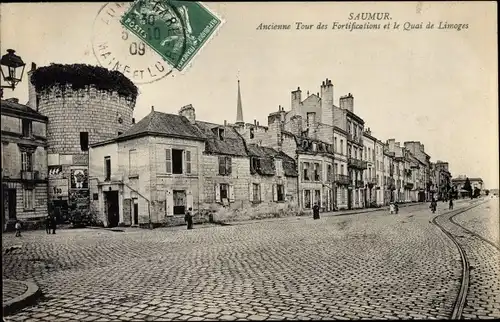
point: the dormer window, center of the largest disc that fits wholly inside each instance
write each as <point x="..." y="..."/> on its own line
<point x="255" y="164"/>
<point x="221" y="133"/>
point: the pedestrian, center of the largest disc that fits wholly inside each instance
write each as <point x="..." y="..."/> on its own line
<point x="392" y="208"/>
<point x="316" y="211"/>
<point x="48" y="222"/>
<point x="396" y="207"/>
<point x="188" y="218"/>
<point x="53" y="222"/>
<point x="451" y="204"/>
<point x="18" y="228"/>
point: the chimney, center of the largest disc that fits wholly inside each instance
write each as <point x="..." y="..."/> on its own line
<point x="326" y="113"/>
<point x="152" y="108"/>
<point x="255" y="122"/>
<point x="296" y="101"/>
<point x="346" y="102"/>
<point x="32" y="101"/>
<point x="133" y="120"/>
<point x="189" y="113"/>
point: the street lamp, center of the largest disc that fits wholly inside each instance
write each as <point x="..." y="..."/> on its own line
<point x="10" y="63"/>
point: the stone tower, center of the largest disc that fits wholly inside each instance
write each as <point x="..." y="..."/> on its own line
<point x="84" y="105"/>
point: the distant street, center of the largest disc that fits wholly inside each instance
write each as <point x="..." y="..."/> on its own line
<point x="373" y="265"/>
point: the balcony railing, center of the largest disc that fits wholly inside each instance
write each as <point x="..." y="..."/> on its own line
<point x="342" y="179"/>
<point x="355" y="138"/>
<point x="372" y="182"/>
<point x="408" y="172"/>
<point x="390" y="184"/>
<point x="356" y="163"/>
<point x="29" y="175"/>
<point x="360" y="184"/>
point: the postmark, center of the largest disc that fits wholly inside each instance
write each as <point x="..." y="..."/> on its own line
<point x="176" y="30"/>
<point x="116" y="48"/>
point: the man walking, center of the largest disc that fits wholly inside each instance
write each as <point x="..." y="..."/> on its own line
<point x="316" y="211"/>
<point x="451" y="204"/>
<point x="18" y="228"/>
<point x="53" y="221"/>
<point x="188" y="218"/>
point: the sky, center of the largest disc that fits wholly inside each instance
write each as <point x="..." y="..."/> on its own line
<point x="439" y="87"/>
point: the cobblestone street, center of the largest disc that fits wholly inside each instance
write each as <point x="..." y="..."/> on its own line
<point x="372" y="265"/>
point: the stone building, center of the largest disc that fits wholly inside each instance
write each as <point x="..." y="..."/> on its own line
<point x="24" y="163"/>
<point x="442" y="179"/>
<point x="84" y="105"/>
<point x="345" y="118"/>
<point x="418" y="150"/>
<point x="166" y="163"/>
<point x="342" y="180"/>
<point x="389" y="180"/>
<point x="370" y="174"/>
<point x="380" y="172"/>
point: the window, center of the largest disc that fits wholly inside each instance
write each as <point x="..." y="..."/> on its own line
<point x="305" y="171"/>
<point x="279" y="168"/>
<point x="119" y="133"/>
<point x="373" y="155"/>
<point x="177" y="161"/>
<point x="280" y="192"/>
<point x="355" y="153"/>
<point x="221" y="134"/>
<point x="317" y="172"/>
<point x="29" y="199"/>
<point x="84" y="141"/>
<point x="335" y="145"/>
<point x="336" y="169"/>
<point x="341" y="169"/>
<point x="132" y="162"/>
<point x="26" y="161"/>
<point x="256" y="192"/>
<point x="27" y="129"/>
<point x="341" y="146"/>
<point x="349" y="129"/>
<point x="252" y="135"/>
<point x="365" y="153"/>
<point x="225" y="168"/>
<point x="311" y="116"/>
<point x="329" y="172"/>
<point x="188" y="161"/>
<point x="224" y="191"/>
<point x="179" y="202"/>
<point x="107" y="168"/>
<point x="307" y="199"/>
<point x="317" y="197"/>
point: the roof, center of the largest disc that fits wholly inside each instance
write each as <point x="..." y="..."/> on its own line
<point x="231" y="144"/>
<point x="463" y="179"/>
<point x="267" y="156"/>
<point x="10" y="106"/>
<point x="163" y="124"/>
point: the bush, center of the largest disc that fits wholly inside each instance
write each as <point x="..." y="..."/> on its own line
<point x="81" y="76"/>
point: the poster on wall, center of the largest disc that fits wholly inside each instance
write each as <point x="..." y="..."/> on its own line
<point x="80" y="199"/>
<point x="58" y="189"/>
<point x="79" y="179"/>
<point x="55" y="171"/>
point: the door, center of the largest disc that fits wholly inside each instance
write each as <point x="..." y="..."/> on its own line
<point x="349" y="199"/>
<point x="179" y="202"/>
<point x="12" y="204"/>
<point x="135" y="213"/>
<point x="112" y="208"/>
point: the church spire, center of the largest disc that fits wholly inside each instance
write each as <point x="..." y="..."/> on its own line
<point x="239" y="108"/>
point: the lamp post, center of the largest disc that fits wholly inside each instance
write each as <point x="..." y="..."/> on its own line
<point x="11" y="74"/>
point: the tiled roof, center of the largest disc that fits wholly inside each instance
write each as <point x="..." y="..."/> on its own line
<point x="231" y="144"/>
<point x="267" y="156"/>
<point x="20" y="109"/>
<point x="170" y="125"/>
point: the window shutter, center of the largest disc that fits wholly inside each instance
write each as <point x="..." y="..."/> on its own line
<point x="260" y="192"/>
<point x="188" y="161"/>
<point x="168" y="160"/>
<point x="23" y="161"/>
<point x="250" y="191"/>
<point x="228" y="166"/>
<point x="275" y="192"/>
<point x="222" y="166"/>
<point x="217" y="192"/>
<point x="169" y="203"/>
<point x="189" y="199"/>
<point x="231" y="192"/>
<point x="284" y="192"/>
<point x="320" y="171"/>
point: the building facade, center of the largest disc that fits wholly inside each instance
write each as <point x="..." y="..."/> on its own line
<point x="24" y="163"/>
<point x="370" y="174"/>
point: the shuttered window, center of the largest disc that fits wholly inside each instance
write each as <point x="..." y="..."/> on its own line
<point x="188" y="161"/>
<point x="168" y="160"/>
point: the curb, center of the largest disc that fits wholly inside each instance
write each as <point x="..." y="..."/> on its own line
<point x="23" y="300"/>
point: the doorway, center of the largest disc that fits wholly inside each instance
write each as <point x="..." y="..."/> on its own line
<point x="112" y="208"/>
<point x="9" y="206"/>
<point x="135" y="213"/>
<point x="349" y="199"/>
<point x="179" y="202"/>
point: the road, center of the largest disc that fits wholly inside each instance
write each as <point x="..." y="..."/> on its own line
<point x="365" y="266"/>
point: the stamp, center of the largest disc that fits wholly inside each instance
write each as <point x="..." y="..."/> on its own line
<point x="176" y="30"/>
<point x="116" y="48"/>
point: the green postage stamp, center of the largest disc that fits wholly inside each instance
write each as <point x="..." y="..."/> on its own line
<point x="176" y="30"/>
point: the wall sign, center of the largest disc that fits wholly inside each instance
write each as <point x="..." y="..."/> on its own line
<point x="58" y="188"/>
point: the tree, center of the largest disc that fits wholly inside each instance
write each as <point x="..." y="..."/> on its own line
<point x="477" y="192"/>
<point x="468" y="187"/>
<point x="486" y="192"/>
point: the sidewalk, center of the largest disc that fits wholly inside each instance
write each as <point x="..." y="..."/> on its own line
<point x="18" y="294"/>
<point x="323" y="214"/>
